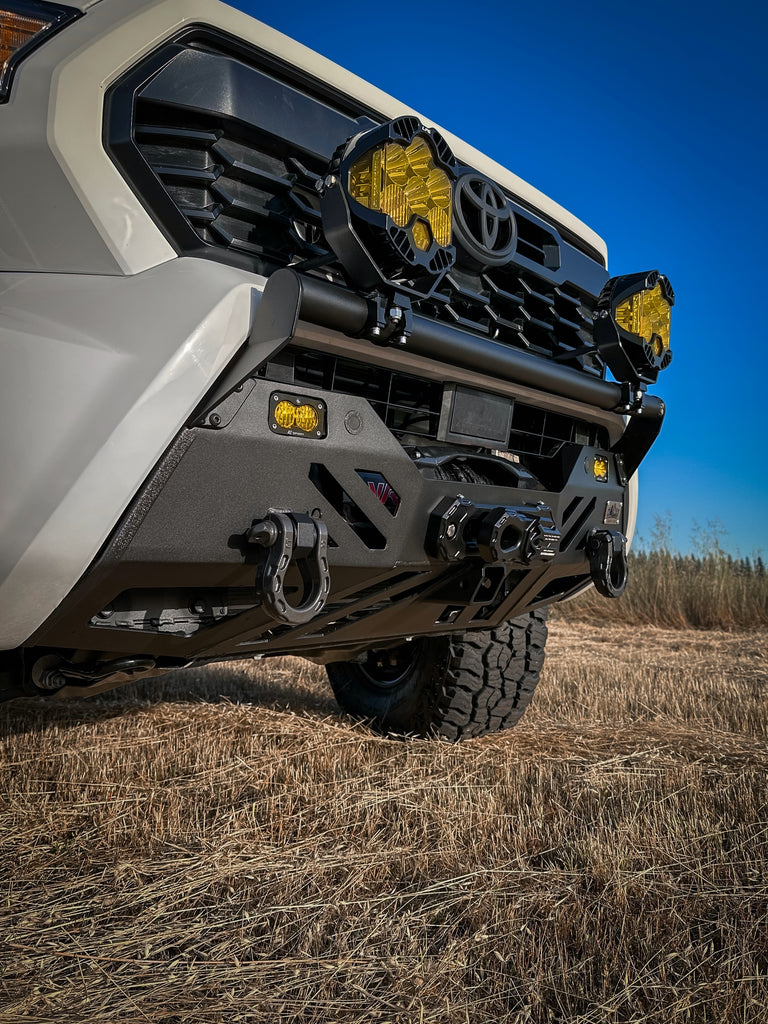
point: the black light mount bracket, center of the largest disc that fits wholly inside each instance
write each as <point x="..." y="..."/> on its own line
<point x="639" y="434"/>
<point x="391" y="318"/>
<point x="632" y="397"/>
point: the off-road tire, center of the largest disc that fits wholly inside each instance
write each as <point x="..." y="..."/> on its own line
<point x="461" y="686"/>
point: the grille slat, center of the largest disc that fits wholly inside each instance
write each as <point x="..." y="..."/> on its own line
<point x="193" y="175"/>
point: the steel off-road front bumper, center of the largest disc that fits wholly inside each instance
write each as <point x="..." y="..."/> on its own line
<point x="248" y="540"/>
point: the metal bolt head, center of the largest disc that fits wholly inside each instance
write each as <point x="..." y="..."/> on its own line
<point x="451" y="531"/>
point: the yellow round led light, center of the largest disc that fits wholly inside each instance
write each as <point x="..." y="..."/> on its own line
<point x="396" y="163"/>
<point x="285" y="415"/>
<point x="439" y="186"/>
<point x="306" y="418"/>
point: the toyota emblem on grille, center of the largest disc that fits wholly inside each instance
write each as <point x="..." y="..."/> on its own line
<point x="484" y="224"/>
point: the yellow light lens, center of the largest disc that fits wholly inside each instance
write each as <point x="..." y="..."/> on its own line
<point x="16" y="30"/>
<point x="306" y="418"/>
<point x="647" y="314"/>
<point x="600" y="468"/>
<point x="285" y="415"/>
<point x="421" y="235"/>
<point x="404" y="182"/>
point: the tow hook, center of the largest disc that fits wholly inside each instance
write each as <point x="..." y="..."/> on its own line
<point x="50" y="673"/>
<point x="292" y="537"/>
<point x="607" y="554"/>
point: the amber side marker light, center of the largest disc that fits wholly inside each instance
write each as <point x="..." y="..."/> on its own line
<point x="632" y="326"/>
<point x="25" y="24"/>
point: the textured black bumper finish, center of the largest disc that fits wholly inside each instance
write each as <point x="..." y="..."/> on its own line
<point x="184" y="543"/>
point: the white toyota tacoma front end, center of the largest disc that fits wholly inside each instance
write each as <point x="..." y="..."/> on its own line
<point x="287" y="369"/>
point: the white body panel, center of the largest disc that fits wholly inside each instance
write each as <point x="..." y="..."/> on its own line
<point x="105" y="371"/>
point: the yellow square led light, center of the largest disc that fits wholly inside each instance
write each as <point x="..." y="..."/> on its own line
<point x="297" y="416"/>
<point x="631" y="326"/>
<point x="386" y="205"/>
<point x="600" y="468"/>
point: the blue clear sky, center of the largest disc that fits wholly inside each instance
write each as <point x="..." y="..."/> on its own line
<point x="647" y="121"/>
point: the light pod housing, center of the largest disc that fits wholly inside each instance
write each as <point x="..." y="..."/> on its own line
<point x="387" y="207"/>
<point x="632" y="326"/>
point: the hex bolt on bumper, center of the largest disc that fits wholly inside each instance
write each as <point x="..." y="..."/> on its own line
<point x="607" y="554"/>
<point x="292" y="537"/>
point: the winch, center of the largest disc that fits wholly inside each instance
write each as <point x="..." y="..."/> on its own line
<point x="459" y="528"/>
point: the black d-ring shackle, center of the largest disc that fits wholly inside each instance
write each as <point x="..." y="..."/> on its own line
<point x="292" y="537"/>
<point x="607" y="553"/>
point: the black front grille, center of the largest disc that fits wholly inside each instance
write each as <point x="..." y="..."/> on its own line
<point x="245" y="197"/>
<point x="230" y="171"/>
<point x="410" y="406"/>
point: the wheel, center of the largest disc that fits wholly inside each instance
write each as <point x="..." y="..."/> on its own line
<point x="457" y="686"/>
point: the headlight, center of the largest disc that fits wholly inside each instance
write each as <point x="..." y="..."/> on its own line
<point x="24" y="24"/>
<point x="387" y="206"/>
<point x="632" y="322"/>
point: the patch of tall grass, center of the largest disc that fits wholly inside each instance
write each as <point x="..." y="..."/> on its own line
<point x="714" y="591"/>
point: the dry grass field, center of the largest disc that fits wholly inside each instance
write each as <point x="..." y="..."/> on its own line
<point x="226" y="847"/>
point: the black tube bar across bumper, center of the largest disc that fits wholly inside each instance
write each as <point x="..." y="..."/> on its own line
<point x="290" y="296"/>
